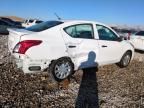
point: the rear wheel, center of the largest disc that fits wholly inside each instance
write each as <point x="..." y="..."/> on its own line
<point x="61" y="69"/>
<point x="125" y="60"/>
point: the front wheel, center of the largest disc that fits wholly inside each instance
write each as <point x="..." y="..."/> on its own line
<point x="125" y="60"/>
<point x="61" y="69"/>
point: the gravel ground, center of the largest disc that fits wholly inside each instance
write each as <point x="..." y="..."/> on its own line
<point x="110" y="86"/>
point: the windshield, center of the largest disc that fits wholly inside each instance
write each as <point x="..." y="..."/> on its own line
<point x="140" y="33"/>
<point x="43" y="26"/>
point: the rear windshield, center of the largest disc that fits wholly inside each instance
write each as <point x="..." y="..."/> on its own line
<point x="43" y="26"/>
<point x="140" y="33"/>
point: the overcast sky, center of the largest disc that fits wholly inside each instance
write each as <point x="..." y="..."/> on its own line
<point x="106" y="11"/>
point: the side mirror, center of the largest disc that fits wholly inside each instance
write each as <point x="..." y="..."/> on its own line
<point x="121" y="38"/>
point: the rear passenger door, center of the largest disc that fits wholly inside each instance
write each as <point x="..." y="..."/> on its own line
<point x="110" y="48"/>
<point x="81" y="45"/>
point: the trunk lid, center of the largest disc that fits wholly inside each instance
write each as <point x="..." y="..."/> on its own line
<point x="15" y="36"/>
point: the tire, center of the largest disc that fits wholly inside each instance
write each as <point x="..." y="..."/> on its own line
<point x="125" y="60"/>
<point x="61" y="69"/>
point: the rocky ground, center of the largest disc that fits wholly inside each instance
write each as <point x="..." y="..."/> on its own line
<point x="110" y="86"/>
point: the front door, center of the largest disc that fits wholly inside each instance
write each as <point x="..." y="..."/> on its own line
<point x="110" y="47"/>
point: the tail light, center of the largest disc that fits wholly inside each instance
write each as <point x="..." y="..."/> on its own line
<point x="23" y="46"/>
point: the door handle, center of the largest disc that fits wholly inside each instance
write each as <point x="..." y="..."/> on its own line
<point x="72" y="46"/>
<point x="104" y="46"/>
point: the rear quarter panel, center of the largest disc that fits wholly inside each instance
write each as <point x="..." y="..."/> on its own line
<point x="52" y="46"/>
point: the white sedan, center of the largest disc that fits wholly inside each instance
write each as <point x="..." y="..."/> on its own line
<point x="65" y="46"/>
<point x="138" y="40"/>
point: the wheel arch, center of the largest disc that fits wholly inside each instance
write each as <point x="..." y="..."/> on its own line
<point x="67" y="57"/>
<point x="129" y="51"/>
<point x="52" y="67"/>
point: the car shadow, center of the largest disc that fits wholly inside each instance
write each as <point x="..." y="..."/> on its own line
<point x="139" y="51"/>
<point x="88" y="92"/>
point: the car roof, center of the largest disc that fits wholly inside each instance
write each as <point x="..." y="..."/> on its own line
<point x="81" y="21"/>
<point x="6" y="22"/>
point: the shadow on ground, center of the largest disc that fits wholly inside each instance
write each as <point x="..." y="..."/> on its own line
<point x="88" y="91"/>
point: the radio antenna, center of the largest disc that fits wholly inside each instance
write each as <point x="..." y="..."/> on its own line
<point x="57" y="16"/>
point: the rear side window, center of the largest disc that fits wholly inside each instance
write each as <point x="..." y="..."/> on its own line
<point x="141" y="33"/>
<point x="43" y="26"/>
<point x="80" y="31"/>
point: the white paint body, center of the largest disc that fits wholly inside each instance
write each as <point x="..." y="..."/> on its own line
<point x="137" y="41"/>
<point x="55" y="42"/>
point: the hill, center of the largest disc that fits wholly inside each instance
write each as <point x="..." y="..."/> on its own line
<point x="15" y="18"/>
